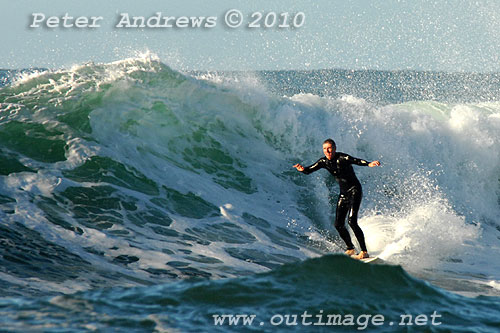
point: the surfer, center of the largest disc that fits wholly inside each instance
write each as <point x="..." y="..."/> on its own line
<point x="340" y="166"/>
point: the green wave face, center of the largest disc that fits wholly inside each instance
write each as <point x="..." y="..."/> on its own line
<point x="131" y="159"/>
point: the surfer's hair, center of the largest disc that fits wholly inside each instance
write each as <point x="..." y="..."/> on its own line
<point x="330" y="141"/>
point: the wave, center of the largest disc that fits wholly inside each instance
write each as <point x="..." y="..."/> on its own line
<point x="133" y="173"/>
<point x="287" y="298"/>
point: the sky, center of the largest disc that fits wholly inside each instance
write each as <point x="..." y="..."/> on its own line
<point x="440" y="35"/>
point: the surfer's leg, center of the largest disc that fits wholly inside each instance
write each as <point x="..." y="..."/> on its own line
<point x="355" y="196"/>
<point x="340" y="215"/>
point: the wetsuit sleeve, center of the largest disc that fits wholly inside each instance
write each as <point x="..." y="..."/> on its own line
<point x="314" y="167"/>
<point x="357" y="161"/>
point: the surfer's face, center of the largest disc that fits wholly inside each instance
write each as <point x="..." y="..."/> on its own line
<point x="328" y="150"/>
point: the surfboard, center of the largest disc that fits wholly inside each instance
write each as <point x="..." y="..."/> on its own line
<point x="373" y="260"/>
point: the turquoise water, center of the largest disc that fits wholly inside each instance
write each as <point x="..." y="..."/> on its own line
<point x="137" y="198"/>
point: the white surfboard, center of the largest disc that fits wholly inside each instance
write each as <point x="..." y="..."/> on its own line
<point x="374" y="260"/>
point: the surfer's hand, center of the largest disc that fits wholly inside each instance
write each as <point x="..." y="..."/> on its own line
<point x="373" y="164"/>
<point x="299" y="167"/>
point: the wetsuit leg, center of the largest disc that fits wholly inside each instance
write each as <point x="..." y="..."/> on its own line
<point x="355" y="195"/>
<point x="340" y="215"/>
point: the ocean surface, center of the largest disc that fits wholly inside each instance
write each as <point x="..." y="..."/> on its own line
<point x="137" y="198"/>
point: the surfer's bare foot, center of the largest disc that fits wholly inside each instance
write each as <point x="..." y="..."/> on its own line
<point x="350" y="252"/>
<point x="362" y="255"/>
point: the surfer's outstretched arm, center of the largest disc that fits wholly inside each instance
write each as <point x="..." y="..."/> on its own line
<point x="307" y="170"/>
<point x="360" y="161"/>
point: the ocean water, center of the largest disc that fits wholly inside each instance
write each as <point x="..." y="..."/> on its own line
<point x="137" y="198"/>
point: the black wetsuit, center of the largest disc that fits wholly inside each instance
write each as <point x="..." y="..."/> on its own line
<point x="340" y="166"/>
